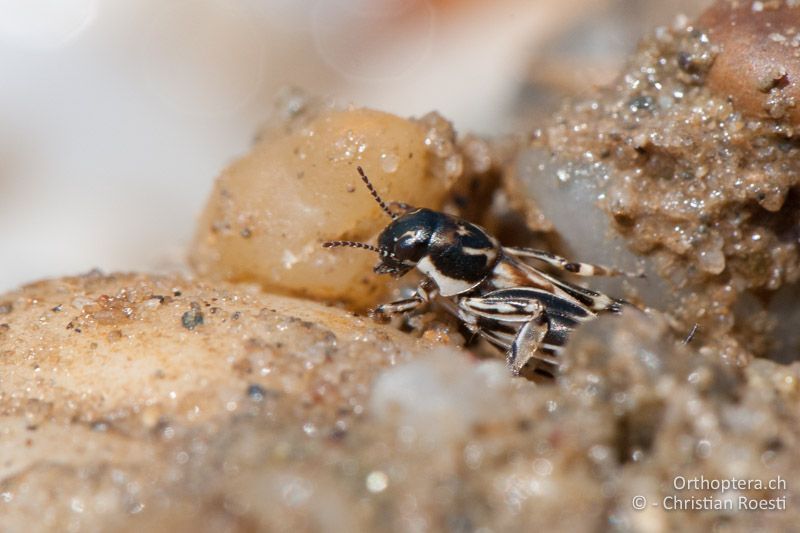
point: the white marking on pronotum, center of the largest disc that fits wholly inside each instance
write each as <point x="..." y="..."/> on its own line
<point x="447" y="286"/>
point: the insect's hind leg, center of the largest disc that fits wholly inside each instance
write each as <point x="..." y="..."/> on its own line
<point x="574" y="267"/>
<point x="526" y="345"/>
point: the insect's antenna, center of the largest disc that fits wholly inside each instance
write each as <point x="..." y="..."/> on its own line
<point x="351" y="244"/>
<point x="375" y="194"/>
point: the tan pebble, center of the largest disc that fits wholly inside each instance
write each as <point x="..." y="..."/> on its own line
<point x="299" y="188"/>
<point x="756" y="65"/>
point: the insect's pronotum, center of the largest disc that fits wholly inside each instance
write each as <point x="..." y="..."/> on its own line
<point x="515" y="306"/>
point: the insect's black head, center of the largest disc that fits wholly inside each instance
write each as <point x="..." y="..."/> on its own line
<point x="457" y="255"/>
<point x="405" y="241"/>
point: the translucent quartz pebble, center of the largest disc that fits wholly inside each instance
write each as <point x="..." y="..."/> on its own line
<point x="567" y="194"/>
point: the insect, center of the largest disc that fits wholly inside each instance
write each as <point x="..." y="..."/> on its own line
<point x="489" y="287"/>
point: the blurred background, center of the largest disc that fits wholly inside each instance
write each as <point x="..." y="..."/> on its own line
<point x="115" y="117"/>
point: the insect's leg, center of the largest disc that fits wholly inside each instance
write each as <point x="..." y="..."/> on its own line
<point x="424" y="293"/>
<point x="691" y="334"/>
<point x="501" y="307"/>
<point x="526" y="344"/>
<point x="397" y="307"/>
<point x="579" y="269"/>
<point x="427" y="290"/>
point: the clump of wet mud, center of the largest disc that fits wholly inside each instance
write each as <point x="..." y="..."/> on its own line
<point x="133" y="402"/>
<point x="101" y="374"/>
<point x="699" y="188"/>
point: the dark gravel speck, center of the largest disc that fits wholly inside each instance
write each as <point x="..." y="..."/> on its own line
<point x="192" y="318"/>
<point x="256" y="392"/>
